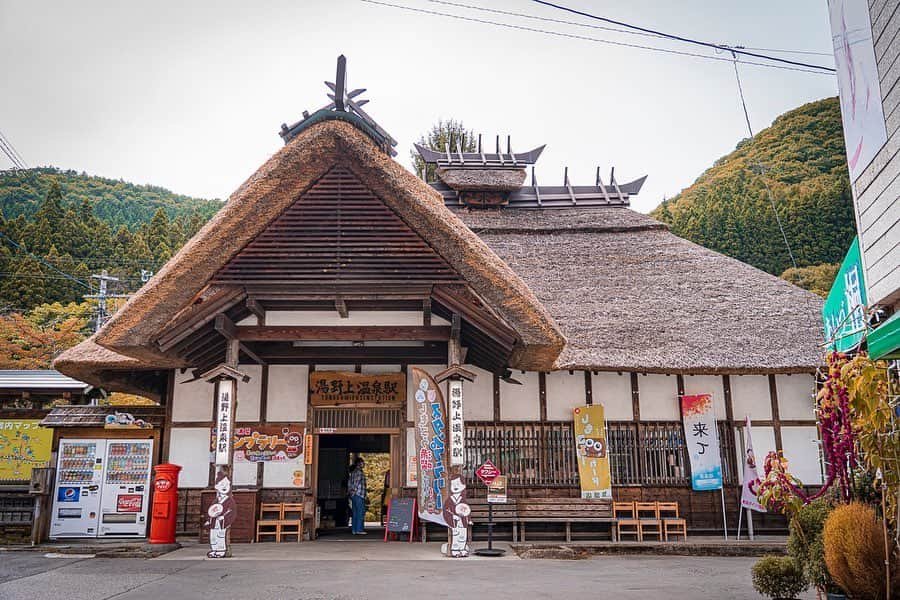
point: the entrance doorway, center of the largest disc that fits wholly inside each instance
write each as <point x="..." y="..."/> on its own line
<point x="337" y="453"/>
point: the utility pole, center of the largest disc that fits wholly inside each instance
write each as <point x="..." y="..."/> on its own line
<point x="102" y="296"/>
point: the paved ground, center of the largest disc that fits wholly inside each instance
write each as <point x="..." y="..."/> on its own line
<point x="367" y="570"/>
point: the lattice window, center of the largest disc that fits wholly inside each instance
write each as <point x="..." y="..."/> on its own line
<point x="543" y="454"/>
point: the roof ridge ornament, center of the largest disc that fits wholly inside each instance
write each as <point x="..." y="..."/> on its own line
<point x="345" y="103"/>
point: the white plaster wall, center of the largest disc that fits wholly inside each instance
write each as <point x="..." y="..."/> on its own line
<point x="708" y="384"/>
<point x="248" y="320"/>
<point x="478" y="396"/>
<point x="281" y="474"/>
<point x="191" y="401"/>
<point x="244" y="473"/>
<point x="750" y="396"/>
<point x="659" y="397"/>
<point x="189" y="448"/>
<point x="795" y="396"/>
<point x="287" y="393"/>
<point x="564" y="393"/>
<point x="521" y="402"/>
<point x="248" y="394"/>
<point x="355" y="317"/>
<point x="613" y="391"/>
<point x="802" y="451"/>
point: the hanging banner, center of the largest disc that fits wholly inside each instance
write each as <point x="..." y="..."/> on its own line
<point x="844" y="311"/>
<point x="457" y="427"/>
<point x="862" y="113"/>
<point x="748" y="498"/>
<point x="24" y="445"/>
<point x="702" y="439"/>
<point x="224" y="420"/>
<point x="431" y="441"/>
<point x="591" y="450"/>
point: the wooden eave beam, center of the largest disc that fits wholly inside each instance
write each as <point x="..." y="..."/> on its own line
<point x="372" y="333"/>
<point x="255" y="307"/>
<point x="341" y="307"/>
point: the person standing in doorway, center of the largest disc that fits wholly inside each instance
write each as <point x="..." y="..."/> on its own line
<point x="356" y="486"/>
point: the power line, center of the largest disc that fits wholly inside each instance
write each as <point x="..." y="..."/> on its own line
<point x="680" y="38"/>
<point x="11" y="153"/>
<point x="586" y="38"/>
<point x="44" y="262"/>
<point x="604" y="28"/>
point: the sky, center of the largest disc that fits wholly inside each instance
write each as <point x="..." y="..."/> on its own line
<point x="190" y="95"/>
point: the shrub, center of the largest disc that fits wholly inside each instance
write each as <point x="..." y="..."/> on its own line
<point x="854" y="550"/>
<point x="778" y="577"/>
<point x="805" y="542"/>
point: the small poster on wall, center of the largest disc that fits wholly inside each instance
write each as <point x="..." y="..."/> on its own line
<point x="24" y="445"/>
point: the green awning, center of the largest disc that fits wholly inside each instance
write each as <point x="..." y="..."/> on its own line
<point x="884" y="341"/>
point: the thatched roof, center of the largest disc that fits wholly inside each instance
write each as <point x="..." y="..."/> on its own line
<point x="262" y="198"/>
<point x="630" y="295"/>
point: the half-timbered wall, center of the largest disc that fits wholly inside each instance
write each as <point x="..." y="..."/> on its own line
<point x="639" y="409"/>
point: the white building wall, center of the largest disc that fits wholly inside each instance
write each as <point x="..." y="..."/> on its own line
<point x="284" y="474"/>
<point x="521" y="402"/>
<point x="189" y="448"/>
<point x="613" y="391"/>
<point x="478" y="396"/>
<point x="355" y="317"/>
<point x="802" y="451"/>
<point x="249" y="394"/>
<point x="659" y="398"/>
<point x="287" y="393"/>
<point x="244" y="473"/>
<point x="565" y="391"/>
<point x="750" y="395"/>
<point x="191" y="402"/>
<point x="795" y="396"/>
<point x="708" y="384"/>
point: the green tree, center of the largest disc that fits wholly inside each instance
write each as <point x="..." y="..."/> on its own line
<point x="442" y="134"/>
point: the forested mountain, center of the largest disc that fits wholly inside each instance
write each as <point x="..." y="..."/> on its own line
<point x="58" y="228"/>
<point x="116" y="202"/>
<point x="801" y="158"/>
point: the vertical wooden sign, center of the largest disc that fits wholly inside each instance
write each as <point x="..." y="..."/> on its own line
<point x="224" y="420"/>
<point x="457" y="426"/>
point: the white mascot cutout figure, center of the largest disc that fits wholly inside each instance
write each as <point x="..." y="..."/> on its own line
<point x="456" y="513"/>
<point x="220" y="516"/>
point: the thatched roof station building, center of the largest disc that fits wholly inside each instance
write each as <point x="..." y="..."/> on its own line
<point x="333" y="257"/>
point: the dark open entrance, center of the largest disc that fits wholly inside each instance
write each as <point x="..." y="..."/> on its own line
<point x="336" y="454"/>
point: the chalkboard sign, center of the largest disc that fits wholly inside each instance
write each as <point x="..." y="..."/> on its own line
<point x="401" y="517"/>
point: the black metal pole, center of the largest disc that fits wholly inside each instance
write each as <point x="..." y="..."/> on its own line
<point x="490" y="526"/>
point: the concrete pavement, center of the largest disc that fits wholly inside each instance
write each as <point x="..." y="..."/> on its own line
<point x="385" y="572"/>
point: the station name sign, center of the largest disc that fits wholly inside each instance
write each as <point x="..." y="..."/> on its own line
<point x="333" y="388"/>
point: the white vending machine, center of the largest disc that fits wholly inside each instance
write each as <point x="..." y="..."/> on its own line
<point x="102" y="488"/>
<point x="126" y="488"/>
<point x="79" y="474"/>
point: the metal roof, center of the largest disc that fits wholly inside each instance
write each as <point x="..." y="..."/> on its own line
<point x="43" y="380"/>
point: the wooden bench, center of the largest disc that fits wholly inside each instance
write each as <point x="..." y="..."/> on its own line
<point x="564" y="510"/>
<point x="503" y="513"/>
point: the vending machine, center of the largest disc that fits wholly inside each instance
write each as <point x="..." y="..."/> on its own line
<point x="102" y="489"/>
<point x="79" y="474"/>
<point x="126" y="488"/>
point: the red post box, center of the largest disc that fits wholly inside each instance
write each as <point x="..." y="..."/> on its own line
<point x="165" y="504"/>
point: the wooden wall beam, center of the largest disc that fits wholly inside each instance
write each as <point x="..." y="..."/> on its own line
<point x="588" y="388"/>
<point x="256" y="307"/>
<point x="776" y="420"/>
<point x="542" y="385"/>
<point x="268" y="333"/>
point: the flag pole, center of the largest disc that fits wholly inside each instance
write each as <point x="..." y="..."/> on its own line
<point x="724" y="516"/>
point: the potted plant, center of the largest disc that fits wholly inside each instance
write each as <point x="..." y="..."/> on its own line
<point x="778" y="577"/>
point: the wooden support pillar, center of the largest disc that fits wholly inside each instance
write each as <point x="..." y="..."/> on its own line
<point x="636" y="418"/>
<point x="776" y="419"/>
<point x="588" y="388"/>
